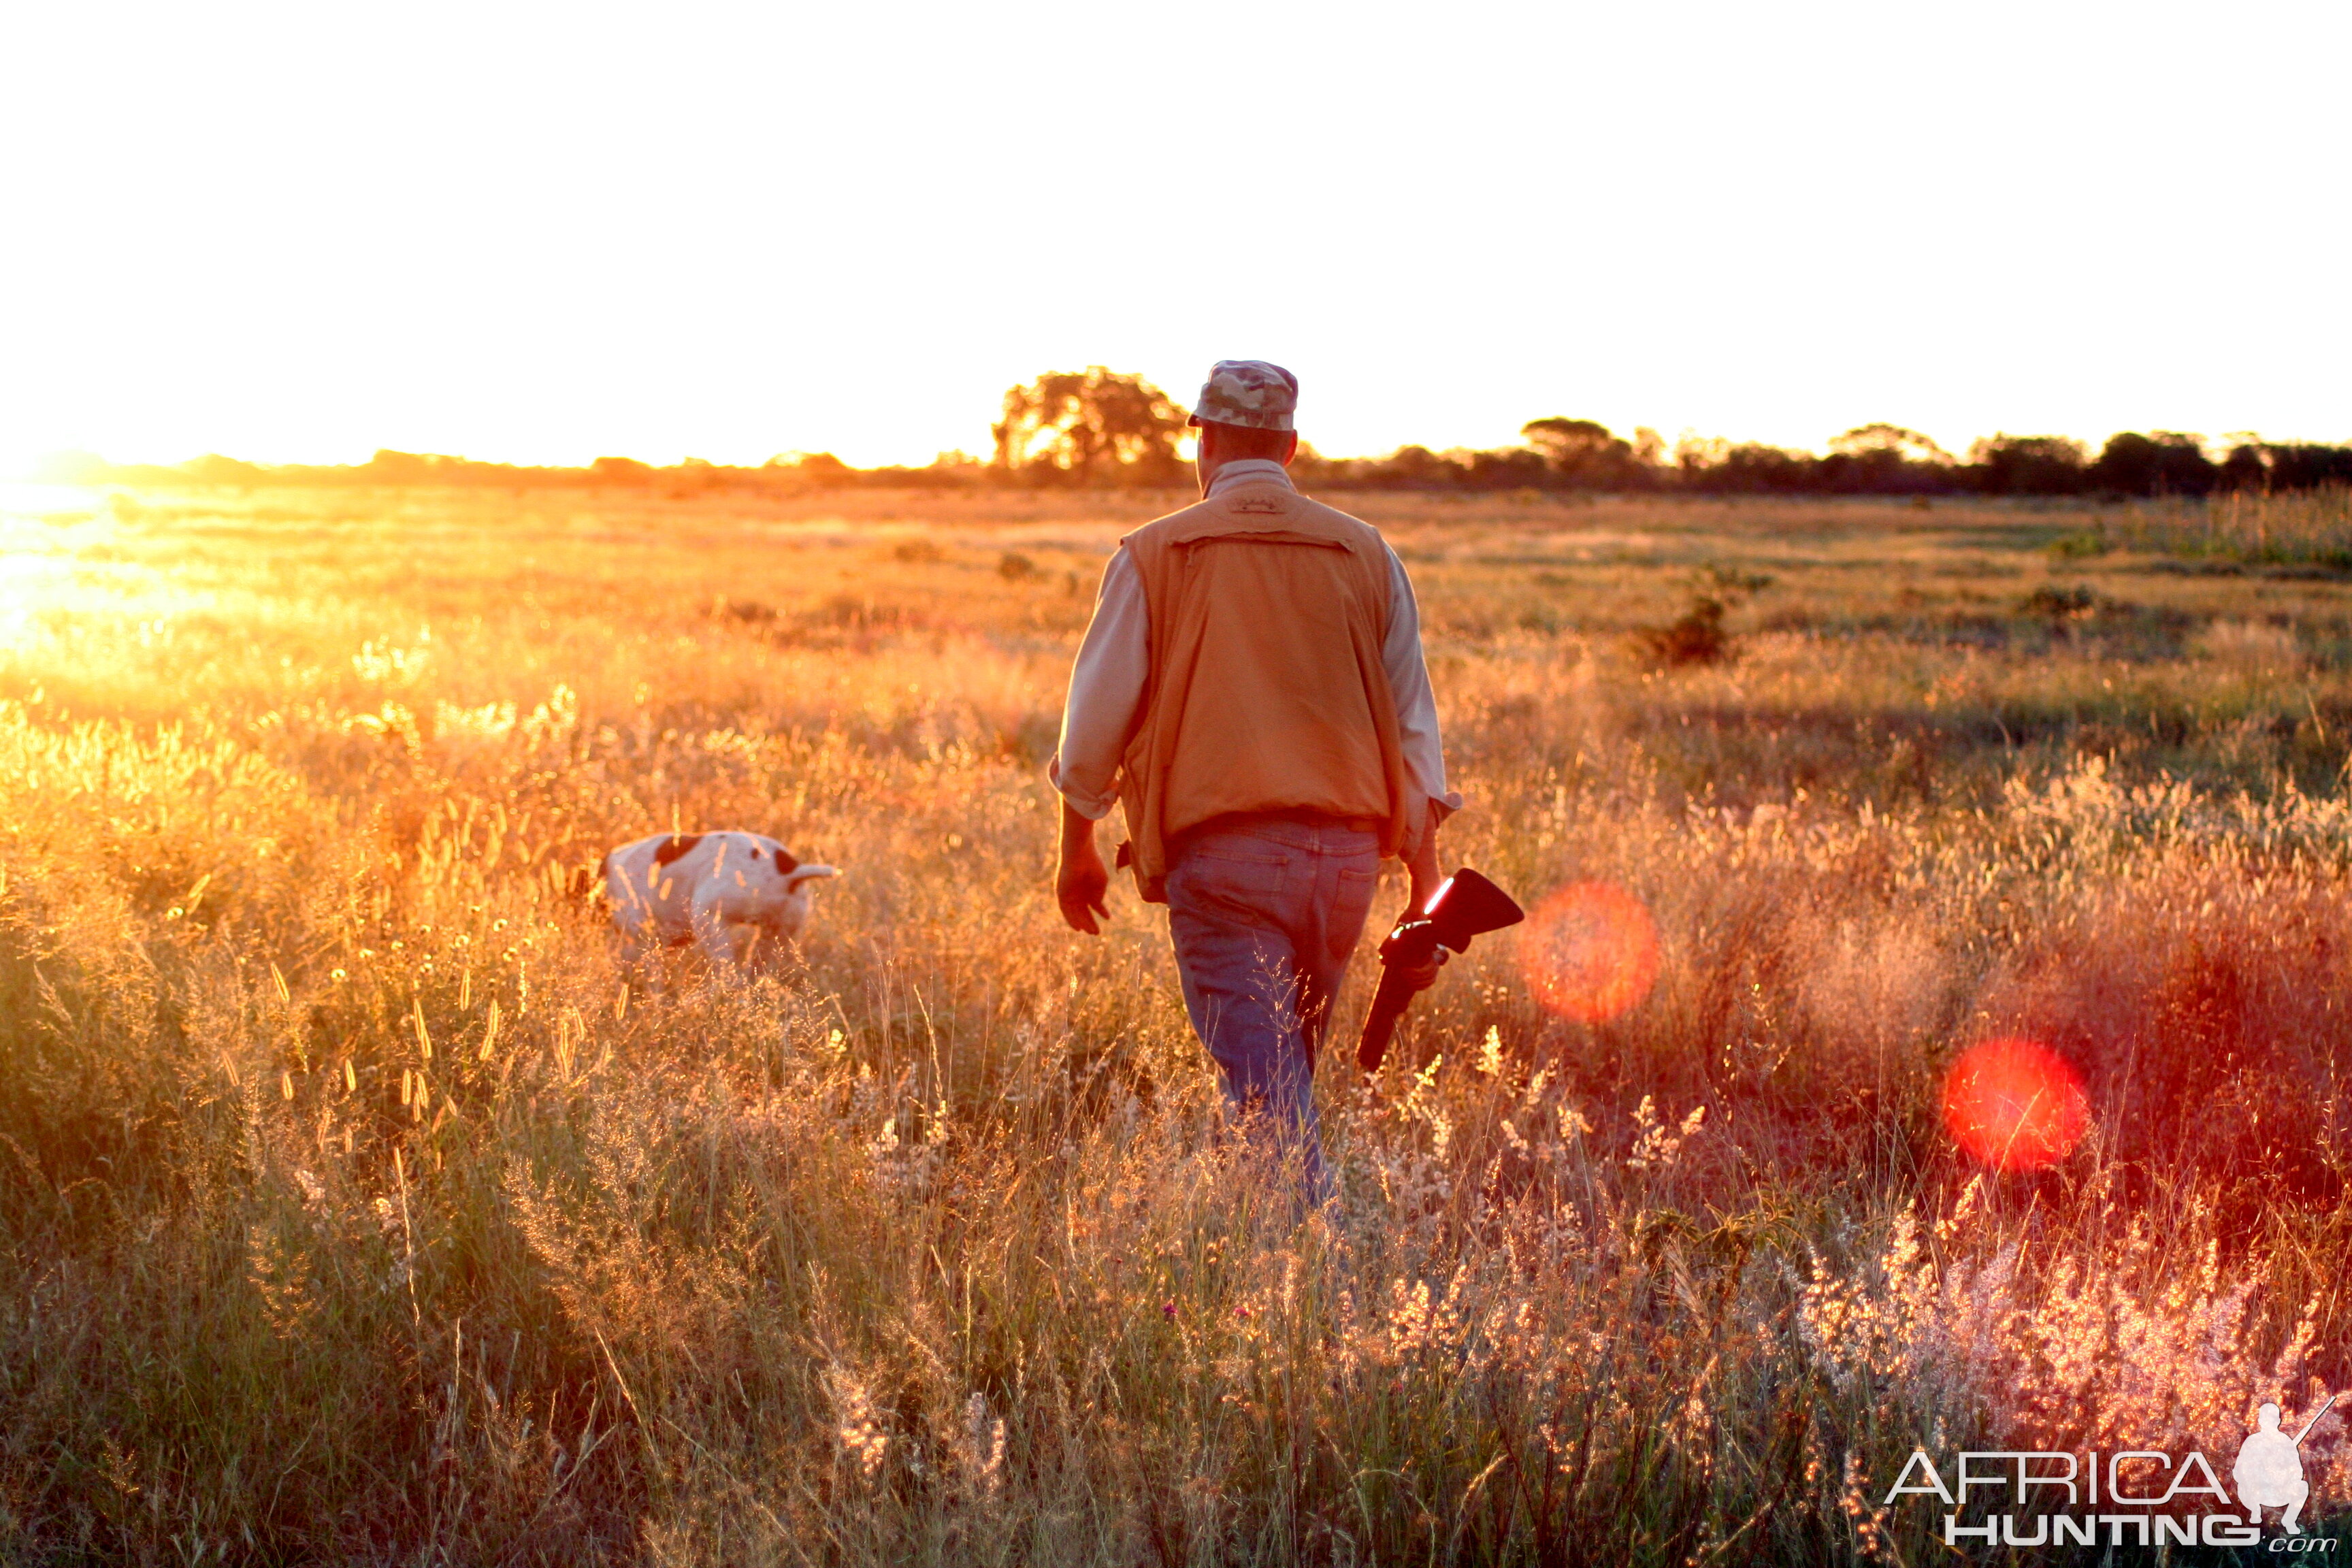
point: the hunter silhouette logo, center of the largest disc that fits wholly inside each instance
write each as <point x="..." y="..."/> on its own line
<point x="2269" y="1472"/>
<point x="2133" y="1497"/>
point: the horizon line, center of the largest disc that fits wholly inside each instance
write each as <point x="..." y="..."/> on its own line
<point x="52" y="466"/>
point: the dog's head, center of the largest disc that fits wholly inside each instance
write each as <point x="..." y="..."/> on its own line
<point x="788" y="881"/>
<point x="784" y="870"/>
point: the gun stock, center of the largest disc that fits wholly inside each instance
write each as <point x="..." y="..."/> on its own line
<point x="1466" y="905"/>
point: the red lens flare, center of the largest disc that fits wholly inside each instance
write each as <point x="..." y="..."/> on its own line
<point x="1590" y="952"/>
<point x="2014" y="1105"/>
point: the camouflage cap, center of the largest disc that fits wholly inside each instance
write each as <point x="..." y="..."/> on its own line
<point x="1248" y="391"/>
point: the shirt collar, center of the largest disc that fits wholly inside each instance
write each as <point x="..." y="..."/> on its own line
<point x="1248" y="471"/>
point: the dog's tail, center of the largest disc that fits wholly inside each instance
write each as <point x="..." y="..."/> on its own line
<point x="586" y="884"/>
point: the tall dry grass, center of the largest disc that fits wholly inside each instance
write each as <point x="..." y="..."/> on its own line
<point x="355" y="1208"/>
<point x="2310" y="527"/>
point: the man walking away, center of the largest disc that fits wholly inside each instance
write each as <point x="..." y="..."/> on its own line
<point x="1252" y="692"/>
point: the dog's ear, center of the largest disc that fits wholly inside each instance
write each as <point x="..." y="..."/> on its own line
<point x="784" y="861"/>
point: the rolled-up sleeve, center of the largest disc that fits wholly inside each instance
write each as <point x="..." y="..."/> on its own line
<point x="1106" y="692"/>
<point x="1416" y="703"/>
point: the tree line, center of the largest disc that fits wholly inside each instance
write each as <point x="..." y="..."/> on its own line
<point x="1099" y="428"/>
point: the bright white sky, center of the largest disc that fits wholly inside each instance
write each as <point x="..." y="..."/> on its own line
<point x="549" y="231"/>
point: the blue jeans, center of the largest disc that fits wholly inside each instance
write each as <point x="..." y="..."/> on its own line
<point x="1265" y="916"/>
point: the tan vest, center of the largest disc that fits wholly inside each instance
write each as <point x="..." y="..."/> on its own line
<point x="1266" y="691"/>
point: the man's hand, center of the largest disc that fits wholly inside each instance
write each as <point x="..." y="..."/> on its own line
<point x="1421" y="976"/>
<point x="1420" y="865"/>
<point x="1081" y="882"/>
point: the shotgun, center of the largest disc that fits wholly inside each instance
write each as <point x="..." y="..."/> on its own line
<point x="1464" y="905"/>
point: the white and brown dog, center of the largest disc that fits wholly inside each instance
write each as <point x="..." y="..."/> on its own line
<point x="730" y="894"/>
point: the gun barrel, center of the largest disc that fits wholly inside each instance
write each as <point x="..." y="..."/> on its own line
<point x="1389" y="1004"/>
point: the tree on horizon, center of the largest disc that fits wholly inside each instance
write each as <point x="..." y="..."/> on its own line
<point x="1092" y="427"/>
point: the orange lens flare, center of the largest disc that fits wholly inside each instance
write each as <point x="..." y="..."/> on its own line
<point x="1590" y="952"/>
<point x="2014" y="1105"/>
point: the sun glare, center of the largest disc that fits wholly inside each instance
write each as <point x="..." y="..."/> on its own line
<point x="1590" y="952"/>
<point x="28" y="583"/>
<point x="41" y="527"/>
<point x="23" y="502"/>
<point x="2014" y="1105"/>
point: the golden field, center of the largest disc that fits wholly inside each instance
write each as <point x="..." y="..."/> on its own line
<point x="354" y="1209"/>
